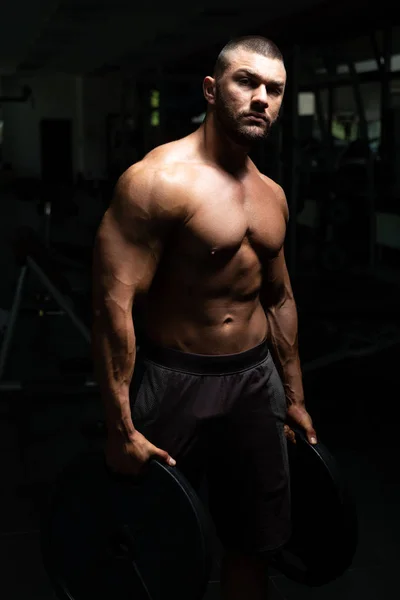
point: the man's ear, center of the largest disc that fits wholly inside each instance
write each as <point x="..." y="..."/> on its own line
<point x="209" y="87"/>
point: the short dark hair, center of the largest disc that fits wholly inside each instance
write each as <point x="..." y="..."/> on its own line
<point x="253" y="43"/>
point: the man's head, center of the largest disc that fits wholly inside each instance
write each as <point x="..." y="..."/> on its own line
<point x="248" y="81"/>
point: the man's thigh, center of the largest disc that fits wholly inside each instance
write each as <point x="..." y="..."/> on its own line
<point x="248" y="471"/>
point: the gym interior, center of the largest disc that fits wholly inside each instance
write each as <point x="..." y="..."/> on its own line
<point x="89" y="88"/>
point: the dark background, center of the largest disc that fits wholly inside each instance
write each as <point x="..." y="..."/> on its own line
<point x="86" y="89"/>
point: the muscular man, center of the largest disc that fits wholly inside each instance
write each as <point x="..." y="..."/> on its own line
<point x="194" y="237"/>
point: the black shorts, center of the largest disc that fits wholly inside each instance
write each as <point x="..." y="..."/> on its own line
<point x="222" y="417"/>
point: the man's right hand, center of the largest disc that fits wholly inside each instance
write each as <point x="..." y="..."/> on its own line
<point x="128" y="456"/>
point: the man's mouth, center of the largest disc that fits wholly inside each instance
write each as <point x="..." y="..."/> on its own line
<point x="258" y="118"/>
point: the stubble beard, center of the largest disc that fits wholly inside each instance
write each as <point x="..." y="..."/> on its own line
<point x="234" y="126"/>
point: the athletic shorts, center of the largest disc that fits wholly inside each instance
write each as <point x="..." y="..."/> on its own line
<point x="222" y="417"/>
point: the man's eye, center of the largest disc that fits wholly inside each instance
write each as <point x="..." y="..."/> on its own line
<point x="245" y="81"/>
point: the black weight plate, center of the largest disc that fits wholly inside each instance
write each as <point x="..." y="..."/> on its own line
<point x="106" y="536"/>
<point x="324" y="520"/>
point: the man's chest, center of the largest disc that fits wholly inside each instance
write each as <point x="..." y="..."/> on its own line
<point x="227" y="217"/>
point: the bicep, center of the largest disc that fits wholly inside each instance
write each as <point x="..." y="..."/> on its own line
<point x="276" y="280"/>
<point x="126" y="253"/>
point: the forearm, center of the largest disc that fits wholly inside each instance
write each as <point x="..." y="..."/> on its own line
<point x="283" y="344"/>
<point x="114" y="354"/>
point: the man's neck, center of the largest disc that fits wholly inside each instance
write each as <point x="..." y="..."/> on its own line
<point x="218" y="148"/>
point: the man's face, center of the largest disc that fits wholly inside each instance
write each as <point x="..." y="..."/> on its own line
<point x="249" y="96"/>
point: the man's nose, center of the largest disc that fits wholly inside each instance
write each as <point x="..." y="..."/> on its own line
<point x="261" y="96"/>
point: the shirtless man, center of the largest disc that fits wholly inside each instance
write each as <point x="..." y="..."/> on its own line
<point x="194" y="237"/>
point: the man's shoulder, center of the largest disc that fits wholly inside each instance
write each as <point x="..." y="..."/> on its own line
<point x="278" y="193"/>
<point x="160" y="179"/>
<point x="276" y="188"/>
<point x="165" y="163"/>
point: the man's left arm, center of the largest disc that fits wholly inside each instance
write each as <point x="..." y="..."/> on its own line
<point x="280" y="309"/>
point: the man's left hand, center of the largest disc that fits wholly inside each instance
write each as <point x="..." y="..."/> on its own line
<point x="298" y="415"/>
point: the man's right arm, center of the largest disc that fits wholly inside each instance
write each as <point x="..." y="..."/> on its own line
<point x="127" y="250"/>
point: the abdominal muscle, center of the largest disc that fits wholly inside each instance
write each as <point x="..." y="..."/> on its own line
<point x="211" y="326"/>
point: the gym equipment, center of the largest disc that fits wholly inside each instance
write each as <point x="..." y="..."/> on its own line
<point x="34" y="258"/>
<point x="110" y="536"/>
<point x="324" y="519"/>
<point x="105" y="534"/>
